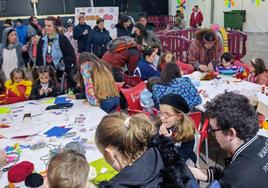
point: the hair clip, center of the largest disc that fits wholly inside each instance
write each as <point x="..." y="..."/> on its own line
<point x="126" y="122"/>
<point x="253" y="60"/>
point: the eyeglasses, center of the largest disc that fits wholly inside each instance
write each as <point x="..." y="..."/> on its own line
<point x="212" y="131"/>
<point x="166" y="115"/>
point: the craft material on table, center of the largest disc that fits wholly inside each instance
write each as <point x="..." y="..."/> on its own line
<point x="57" y="131"/>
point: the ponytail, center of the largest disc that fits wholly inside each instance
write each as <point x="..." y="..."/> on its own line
<point x="129" y="135"/>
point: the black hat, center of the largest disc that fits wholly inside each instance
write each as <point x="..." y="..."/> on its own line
<point x="175" y="101"/>
<point x="34" y="180"/>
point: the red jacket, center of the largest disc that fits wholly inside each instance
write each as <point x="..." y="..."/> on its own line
<point x="196" y="21"/>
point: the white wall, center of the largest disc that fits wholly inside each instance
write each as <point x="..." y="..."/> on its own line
<point x="256" y="17"/>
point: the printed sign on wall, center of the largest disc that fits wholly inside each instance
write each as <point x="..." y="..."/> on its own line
<point x="109" y="14"/>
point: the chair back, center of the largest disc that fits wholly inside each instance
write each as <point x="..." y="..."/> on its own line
<point x="132" y="95"/>
<point x="131" y="81"/>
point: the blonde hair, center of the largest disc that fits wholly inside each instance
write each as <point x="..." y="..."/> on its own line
<point x="129" y="135"/>
<point x="103" y="81"/>
<point x="183" y="130"/>
<point x="68" y="169"/>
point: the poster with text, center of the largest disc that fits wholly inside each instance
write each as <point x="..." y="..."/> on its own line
<point x="91" y="14"/>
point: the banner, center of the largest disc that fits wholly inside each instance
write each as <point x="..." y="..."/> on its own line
<point x="109" y="14"/>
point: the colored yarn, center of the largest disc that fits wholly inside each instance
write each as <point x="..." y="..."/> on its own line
<point x="34" y="180"/>
<point x="19" y="172"/>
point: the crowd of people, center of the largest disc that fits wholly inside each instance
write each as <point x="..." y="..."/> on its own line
<point x="159" y="153"/>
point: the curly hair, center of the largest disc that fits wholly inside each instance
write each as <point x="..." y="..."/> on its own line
<point x="234" y="111"/>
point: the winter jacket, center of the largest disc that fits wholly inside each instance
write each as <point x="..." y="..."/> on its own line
<point x="64" y="51"/>
<point x="98" y="40"/>
<point x="36" y="89"/>
<point x="122" y="31"/>
<point x="82" y="39"/>
<point x="196" y="21"/>
<point x="181" y="86"/>
<point x="159" y="167"/>
<point x="4" y="45"/>
<point x="146" y="70"/>
<point x="17" y="92"/>
<point x="152" y="39"/>
<point x="198" y="54"/>
<point x="262" y="78"/>
<point x="22" y="34"/>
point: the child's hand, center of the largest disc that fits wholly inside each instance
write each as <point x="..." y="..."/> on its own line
<point x="3" y="158"/>
<point x="71" y="97"/>
<point x="49" y="90"/>
<point x="27" y="96"/>
<point x="42" y="91"/>
<point x="164" y="131"/>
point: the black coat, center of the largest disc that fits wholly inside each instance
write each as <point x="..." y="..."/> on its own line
<point x="98" y="40"/>
<point x="121" y="31"/>
<point x="82" y="39"/>
<point x="159" y="167"/>
<point x="67" y="50"/>
<point x="36" y="89"/>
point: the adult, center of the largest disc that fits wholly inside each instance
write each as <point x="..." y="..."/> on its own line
<point x="172" y="82"/>
<point x="234" y="123"/>
<point x="143" y="160"/>
<point x="55" y="49"/>
<point x="10" y="52"/>
<point x="122" y="51"/>
<point x="145" y="68"/>
<point x="196" y="18"/>
<point x="142" y="19"/>
<point x="124" y="27"/>
<point x="81" y="34"/>
<point x="96" y="78"/>
<point x="205" y="50"/>
<point x="98" y="39"/>
<point x="22" y="31"/>
<point x="34" y="28"/>
<point x="179" y="20"/>
<point x="146" y="38"/>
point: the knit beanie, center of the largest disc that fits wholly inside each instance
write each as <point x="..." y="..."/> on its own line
<point x="76" y="146"/>
<point x="175" y="101"/>
<point x="19" y="172"/>
<point x="34" y="180"/>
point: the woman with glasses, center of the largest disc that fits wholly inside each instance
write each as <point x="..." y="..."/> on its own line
<point x="175" y="123"/>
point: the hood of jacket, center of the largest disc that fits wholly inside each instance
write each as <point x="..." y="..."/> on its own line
<point x="146" y="170"/>
<point x="4" y="38"/>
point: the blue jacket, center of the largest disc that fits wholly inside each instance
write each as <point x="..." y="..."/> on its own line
<point x="181" y="86"/>
<point x="98" y="40"/>
<point x="121" y="31"/>
<point x="146" y="70"/>
<point x="22" y="32"/>
<point x="82" y="39"/>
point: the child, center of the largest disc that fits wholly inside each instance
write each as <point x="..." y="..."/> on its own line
<point x="166" y="58"/>
<point x="258" y="73"/>
<point x="17" y="88"/>
<point x="2" y="88"/>
<point x="68" y="169"/>
<point x="44" y="83"/>
<point x="227" y="66"/>
<point x="143" y="160"/>
<point x="176" y="124"/>
<point x="146" y="95"/>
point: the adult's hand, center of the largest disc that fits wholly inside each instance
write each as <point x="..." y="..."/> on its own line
<point x="210" y="67"/>
<point x="203" y="68"/>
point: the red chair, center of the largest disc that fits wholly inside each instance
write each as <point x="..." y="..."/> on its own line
<point x="119" y="85"/>
<point x="202" y="130"/>
<point x="132" y="96"/>
<point x="185" y="67"/>
<point x="131" y="81"/>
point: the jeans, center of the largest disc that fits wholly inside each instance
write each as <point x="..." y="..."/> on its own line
<point x="109" y="104"/>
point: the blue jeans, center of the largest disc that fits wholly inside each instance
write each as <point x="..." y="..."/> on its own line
<point x="109" y="104"/>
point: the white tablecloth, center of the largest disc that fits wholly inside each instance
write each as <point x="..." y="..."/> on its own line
<point x="45" y="120"/>
<point x="218" y="86"/>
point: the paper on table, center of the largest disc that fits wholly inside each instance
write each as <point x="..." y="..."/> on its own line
<point x="4" y="110"/>
<point x="21" y="130"/>
<point x="48" y="101"/>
